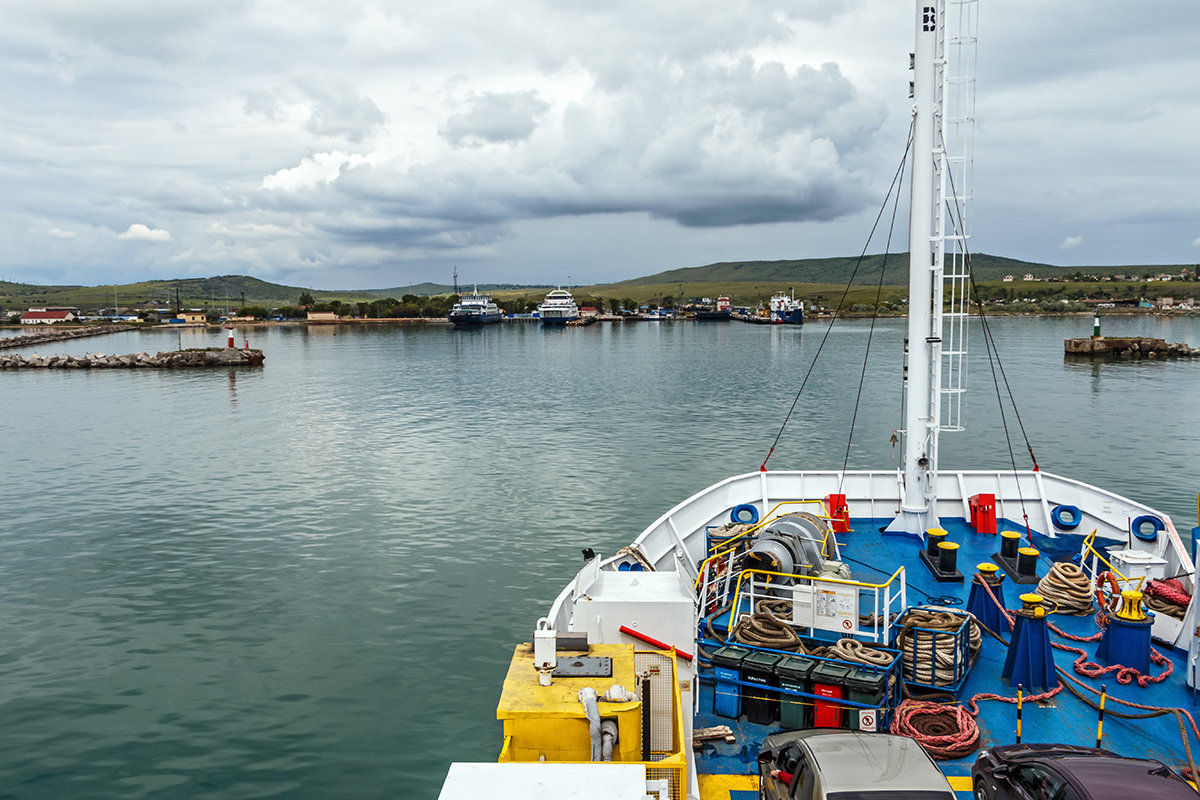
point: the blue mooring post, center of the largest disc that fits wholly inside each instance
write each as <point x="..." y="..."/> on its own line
<point x="980" y="603"/>
<point x="1029" y="657"/>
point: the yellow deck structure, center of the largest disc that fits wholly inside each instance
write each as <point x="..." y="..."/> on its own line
<point x="548" y="722"/>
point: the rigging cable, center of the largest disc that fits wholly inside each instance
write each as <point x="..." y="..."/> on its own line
<point x="871" y="331"/>
<point x="842" y="301"/>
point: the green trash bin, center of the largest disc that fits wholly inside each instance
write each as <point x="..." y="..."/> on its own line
<point x="760" y="701"/>
<point x="868" y="687"/>
<point x="795" y="713"/>
<point x="829" y="685"/>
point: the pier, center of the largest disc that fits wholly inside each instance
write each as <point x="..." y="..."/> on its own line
<point x="1128" y="347"/>
<point x="174" y="359"/>
<point x="41" y="337"/>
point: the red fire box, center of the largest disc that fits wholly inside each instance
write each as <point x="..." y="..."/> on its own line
<point x="983" y="512"/>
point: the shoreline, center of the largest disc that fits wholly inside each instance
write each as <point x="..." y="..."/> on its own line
<point x="58" y="331"/>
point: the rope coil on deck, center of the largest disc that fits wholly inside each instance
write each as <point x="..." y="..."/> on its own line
<point x="1168" y="597"/>
<point x="766" y="627"/>
<point x="1068" y="588"/>
<point x="935" y="657"/>
<point x="946" y="732"/>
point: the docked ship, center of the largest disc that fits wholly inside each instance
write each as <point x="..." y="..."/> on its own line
<point x="558" y="308"/>
<point x="787" y="309"/>
<point x="720" y="311"/>
<point x="965" y="610"/>
<point x="474" y="309"/>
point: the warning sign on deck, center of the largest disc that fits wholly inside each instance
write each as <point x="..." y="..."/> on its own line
<point x="835" y="608"/>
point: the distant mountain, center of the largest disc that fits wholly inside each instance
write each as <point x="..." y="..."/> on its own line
<point x="728" y="276"/>
<point x="839" y="270"/>
<point x="430" y="289"/>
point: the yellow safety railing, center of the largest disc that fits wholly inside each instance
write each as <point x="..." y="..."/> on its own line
<point x="1096" y="554"/>
<point x="767" y="518"/>
<point x="882" y="614"/>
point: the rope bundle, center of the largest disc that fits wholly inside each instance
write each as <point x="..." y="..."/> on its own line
<point x="858" y="652"/>
<point x="765" y="628"/>
<point x="1068" y="588"/>
<point x="931" y="659"/>
<point x="1168" y="597"/>
<point x="946" y="732"/>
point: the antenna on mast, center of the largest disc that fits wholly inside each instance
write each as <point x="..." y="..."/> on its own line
<point x="456" y="279"/>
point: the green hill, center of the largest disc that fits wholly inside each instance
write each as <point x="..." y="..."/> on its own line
<point x="748" y="281"/>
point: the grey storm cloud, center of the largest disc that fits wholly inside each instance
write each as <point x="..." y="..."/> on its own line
<point x="351" y="139"/>
<point x="493" y="117"/>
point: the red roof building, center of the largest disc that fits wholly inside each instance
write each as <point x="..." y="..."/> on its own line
<point x="45" y="317"/>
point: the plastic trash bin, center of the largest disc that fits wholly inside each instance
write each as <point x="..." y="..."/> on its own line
<point x="795" y="713"/>
<point x="868" y="687"/>
<point x="727" y="671"/>
<point x="760" y="699"/>
<point x="829" y="684"/>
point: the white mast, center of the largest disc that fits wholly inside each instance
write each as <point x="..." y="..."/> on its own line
<point x="918" y="507"/>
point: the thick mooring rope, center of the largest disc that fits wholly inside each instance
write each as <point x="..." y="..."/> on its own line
<point x="1068" y="588"/>
<point x="859" y="653"/>
<point x="934" y="658"/>
<point x="1168" y="597"/>
<point x="946" y="732"/>
<point x="766" y="627"/>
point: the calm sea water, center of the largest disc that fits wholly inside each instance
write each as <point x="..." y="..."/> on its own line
<point x="306" y="580"/>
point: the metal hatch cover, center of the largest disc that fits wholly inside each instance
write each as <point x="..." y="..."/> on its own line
<point x="584" y="667"/>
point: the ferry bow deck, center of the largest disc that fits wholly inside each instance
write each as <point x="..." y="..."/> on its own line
<point x="1064" y="718"/>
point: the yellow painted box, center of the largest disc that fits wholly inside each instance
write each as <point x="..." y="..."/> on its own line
<point x="548" y="721"/>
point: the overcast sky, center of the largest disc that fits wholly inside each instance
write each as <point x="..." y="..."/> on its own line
<point x="377" y="144"/>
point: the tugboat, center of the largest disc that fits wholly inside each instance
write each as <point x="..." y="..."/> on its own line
<point x="558" y="308"/>
<point x="787" y="309"/>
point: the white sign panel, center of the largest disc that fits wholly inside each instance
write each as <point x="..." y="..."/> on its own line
<point x="835" y="608"/>
<point x="867" y="719"/>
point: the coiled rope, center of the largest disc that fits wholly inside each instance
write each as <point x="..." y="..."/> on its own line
<point x="767" y="628"/>
<point x="1068" y="588"/>
<point x="1168" y="597"/>
<point x="859" y="653"/>
<point x="935" y="657"/>
<point x="946" y="732"/>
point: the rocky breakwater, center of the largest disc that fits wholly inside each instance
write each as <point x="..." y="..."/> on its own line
<point x="174" y="359"/>
<point x="58" y="334"/>
<point x="1128" y="347"/>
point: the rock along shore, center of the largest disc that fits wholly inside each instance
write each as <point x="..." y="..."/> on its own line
<point x="174" y="359"/>
<point x="26" y="339"/>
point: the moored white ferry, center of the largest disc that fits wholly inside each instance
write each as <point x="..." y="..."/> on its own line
<point x="558" y="308"/>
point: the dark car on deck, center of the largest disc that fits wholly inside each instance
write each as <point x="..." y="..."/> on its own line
<point x="1069" y="772"/>
<point x="833" y="764"/>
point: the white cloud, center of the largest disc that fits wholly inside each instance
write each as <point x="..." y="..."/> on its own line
<point x="313" y="171"/>
<point x="143" y="233"/>
<point x="1071" y="242"/>
<point x="1196" y="242"/>
<point x="59" y="233"/>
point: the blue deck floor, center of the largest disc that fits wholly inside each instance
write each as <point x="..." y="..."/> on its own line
<point x="1064" y="719"/>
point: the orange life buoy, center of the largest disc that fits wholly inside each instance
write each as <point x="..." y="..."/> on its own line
<point x="1114" y="594"/>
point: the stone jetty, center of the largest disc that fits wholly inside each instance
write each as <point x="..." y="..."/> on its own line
<point x="174" y="359"/>
<point x="1128" y="347"/>
<point x="59" y="334"/>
